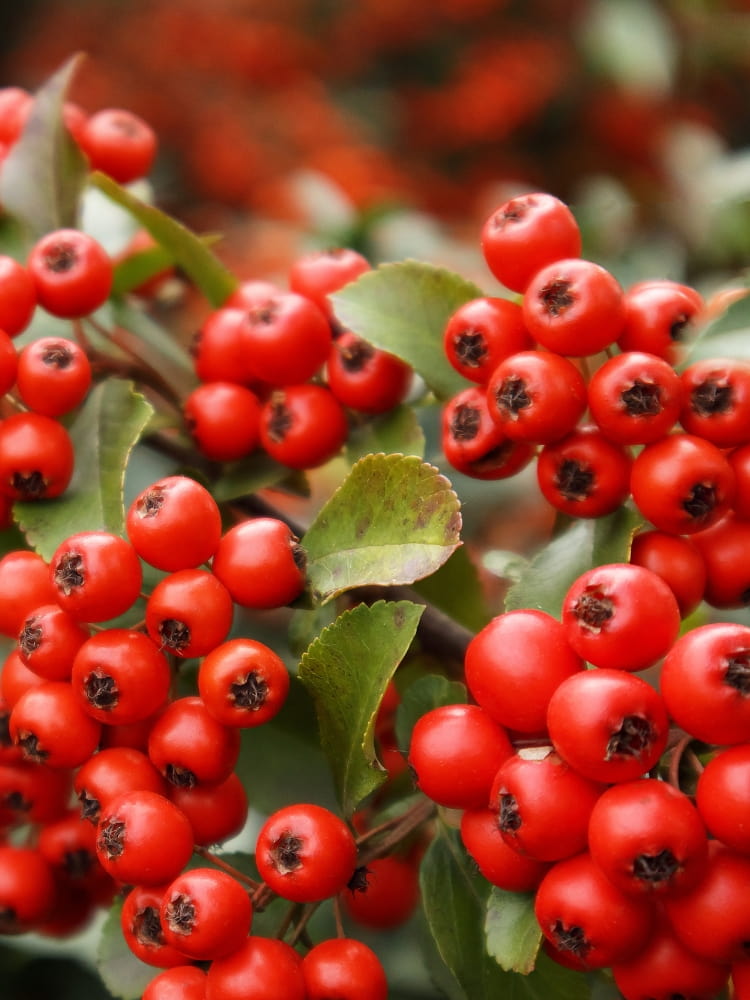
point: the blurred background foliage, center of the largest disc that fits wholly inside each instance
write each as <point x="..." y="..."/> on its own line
<point x="396" y="127"/>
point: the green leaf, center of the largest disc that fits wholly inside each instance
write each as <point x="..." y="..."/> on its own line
<point x="544" y="582"/>
<point x="397" y="431"/>
<point x="137" y="268"/>
<point x="253" y="473"/>
<point x="103" y="434"/>
<point x="456" y="590"/>
<point x="187" y="250"/>
<point x="124" y="975"/>
<point x="403" y="308"/>
<point x="44" y="174"/>
<point x="346" y="670"/>
<point x="394" y="520"/>
<point x="426" y="693"/>
<point x="513" y="933"/>
<point x="728" y="336"/>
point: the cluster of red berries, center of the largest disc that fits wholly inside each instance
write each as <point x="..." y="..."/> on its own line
<point x="260" y="358"/>
<point x="603" y="429"/>
<point x="90" y="715"/>
<point x="556" y="770"/>
<point x="114" y="140"/>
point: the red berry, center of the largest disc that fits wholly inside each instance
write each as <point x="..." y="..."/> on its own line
<point x="303" y="426"/>
<point x="72" y="273"/>
<point x="261" y="563"/>
<point x="36" y="457"/>
<point x="119" y="143"/>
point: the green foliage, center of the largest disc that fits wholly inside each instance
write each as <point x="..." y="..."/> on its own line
<point x="44" y="174"/>
<point x="394" y="520"/>
<point x="346" y="670"/>
<point x="104" y="433"/>
<point x="403" y="308"/>
<point x="728" y="336"/>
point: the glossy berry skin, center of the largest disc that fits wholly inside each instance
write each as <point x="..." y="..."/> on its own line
<point x="223" y="420"/>
<point x="722" y="797"/>
<point x="218" y="349"/>
<point x="525" y="234"/>
<point x="704" y="682"/>
<point x="475" y="444"/>
<point x="260" y="969"/>
<point x="580" y="911"/>
<point x="174" y="523"/>
<point x="454" y="754"/>
<point x="120" y="676"/>
<point x="499" y="863"/>
<point x="543" y="806"/>
<point x="189" y="612"/>
<point x="72" y="273"/>
<point x="659" y="318"/>
<point x="8" y="362"/>
<point x="483" y="332"/>
<point x="189" y="747"/>
<point x="27" y="889"/>
<point x="620" y="616"/>
<point x="716" y="403"/>
<point x="53" y="376"/>
<point x="364" y="378"/>
<point x="36" y="457"/>
<point x="111" y="772"/>
<point x="318" y="274"/>
<point x="243" y="682"/>
<point x="305" y="853"/>
<point x="50" y="726"/>
<point x="573" y="307"/>
<point x="682" y="484"/>
<point x="609" y="725"/>
<point x="303" y="426"/>
<point x="739" y="459"/>
<point x="665" y="969"/>
<point x="216" y="812"/>
<point x="96" y="575"/>
<point x="584" y="474"/>
<point x="635" y="398"/>
<point x="205" y="914"/>
<point x="24" y="586"/>
<point x="17" y="296"/>
<point x="712" y="918"/>
<point x="723" y="548"/>
<point x="261" y="563"/>
<point x="49" y="640"/>
<point x="515" y="663"/>
<point x="648" y="838"/>
<point x="677" y="561"/>
<point x="389" y="895"/>
<point x="142" y="928"/>
<point x="343" y="969"/>
<point x="126" y="845"/>
<point x="286" y="339"/>
<point x="119" y="143"/>
<point x="536" y="396"/>
<point x="183" y="982"/>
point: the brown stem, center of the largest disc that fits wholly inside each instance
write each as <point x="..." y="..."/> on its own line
<point x="381" y="840"/>
<point x="215" y="859"/>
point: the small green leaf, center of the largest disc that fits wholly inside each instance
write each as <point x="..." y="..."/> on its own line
<point x="397" y="431"/>
<point x="124" y="975"/>
<point x="426" y="693"/>
<point x="513" y="933"/>
<point x="187" y="250"/>
<point x="544" y="582"/>
<point x="346" y="670"/>
<point x="103" y="433"/>
<point x="394" y="520"/>
<point x="253" y="473"/>
<point x="137" y="268"/>
<point x="43" y="175"/>
<point x="728" y="336"/>
<point x="456" y="590"/>
<point x="403" y="308"/>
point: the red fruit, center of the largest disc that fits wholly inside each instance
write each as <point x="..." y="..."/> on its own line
<point x="343" y="969"/>
<point x="365" y="378"/>
<point x="483" y="332"/>
<point x="17" y="296"/>
<point x="118" y="143"/>
<point x="243" y="683"/>
<point x="190" y="747"/>
<point x="96" y="575"/>
<point x="261" y="563"/>
<point x="303" y="426"/>
<point x="53" y="376"/>
<point x="260" y="969"/>
<point x="72" y="273"/>
<point x="205" y="914"/>
<point x="223" y="419"/>
<point x="183" y="982"/>
<point x="189" y="612"/>
<point x="385" y="896"/>
<point x="36" y="457"/>
<point x="318" y="274"/>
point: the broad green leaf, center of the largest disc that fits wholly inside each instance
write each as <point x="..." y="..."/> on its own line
<point x="44" y="174"/>
<point x="728" y="336"/>
<point x="403" y="308"/>
<point x="426" y="693"/>
<point x="398" y="431"/>
<point x="346" y="670"/>
<point x="394" y="520"/>
<point x="137" y="268"/>
<point x="544" y="582"/>
<point x="124" y="975"/>
<point x="455" y="589"/>
<point x="103" y="434"/>
<point x="248" y="475"/>
<point x="187" y="250"/>
<point x="513" y="933"/>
